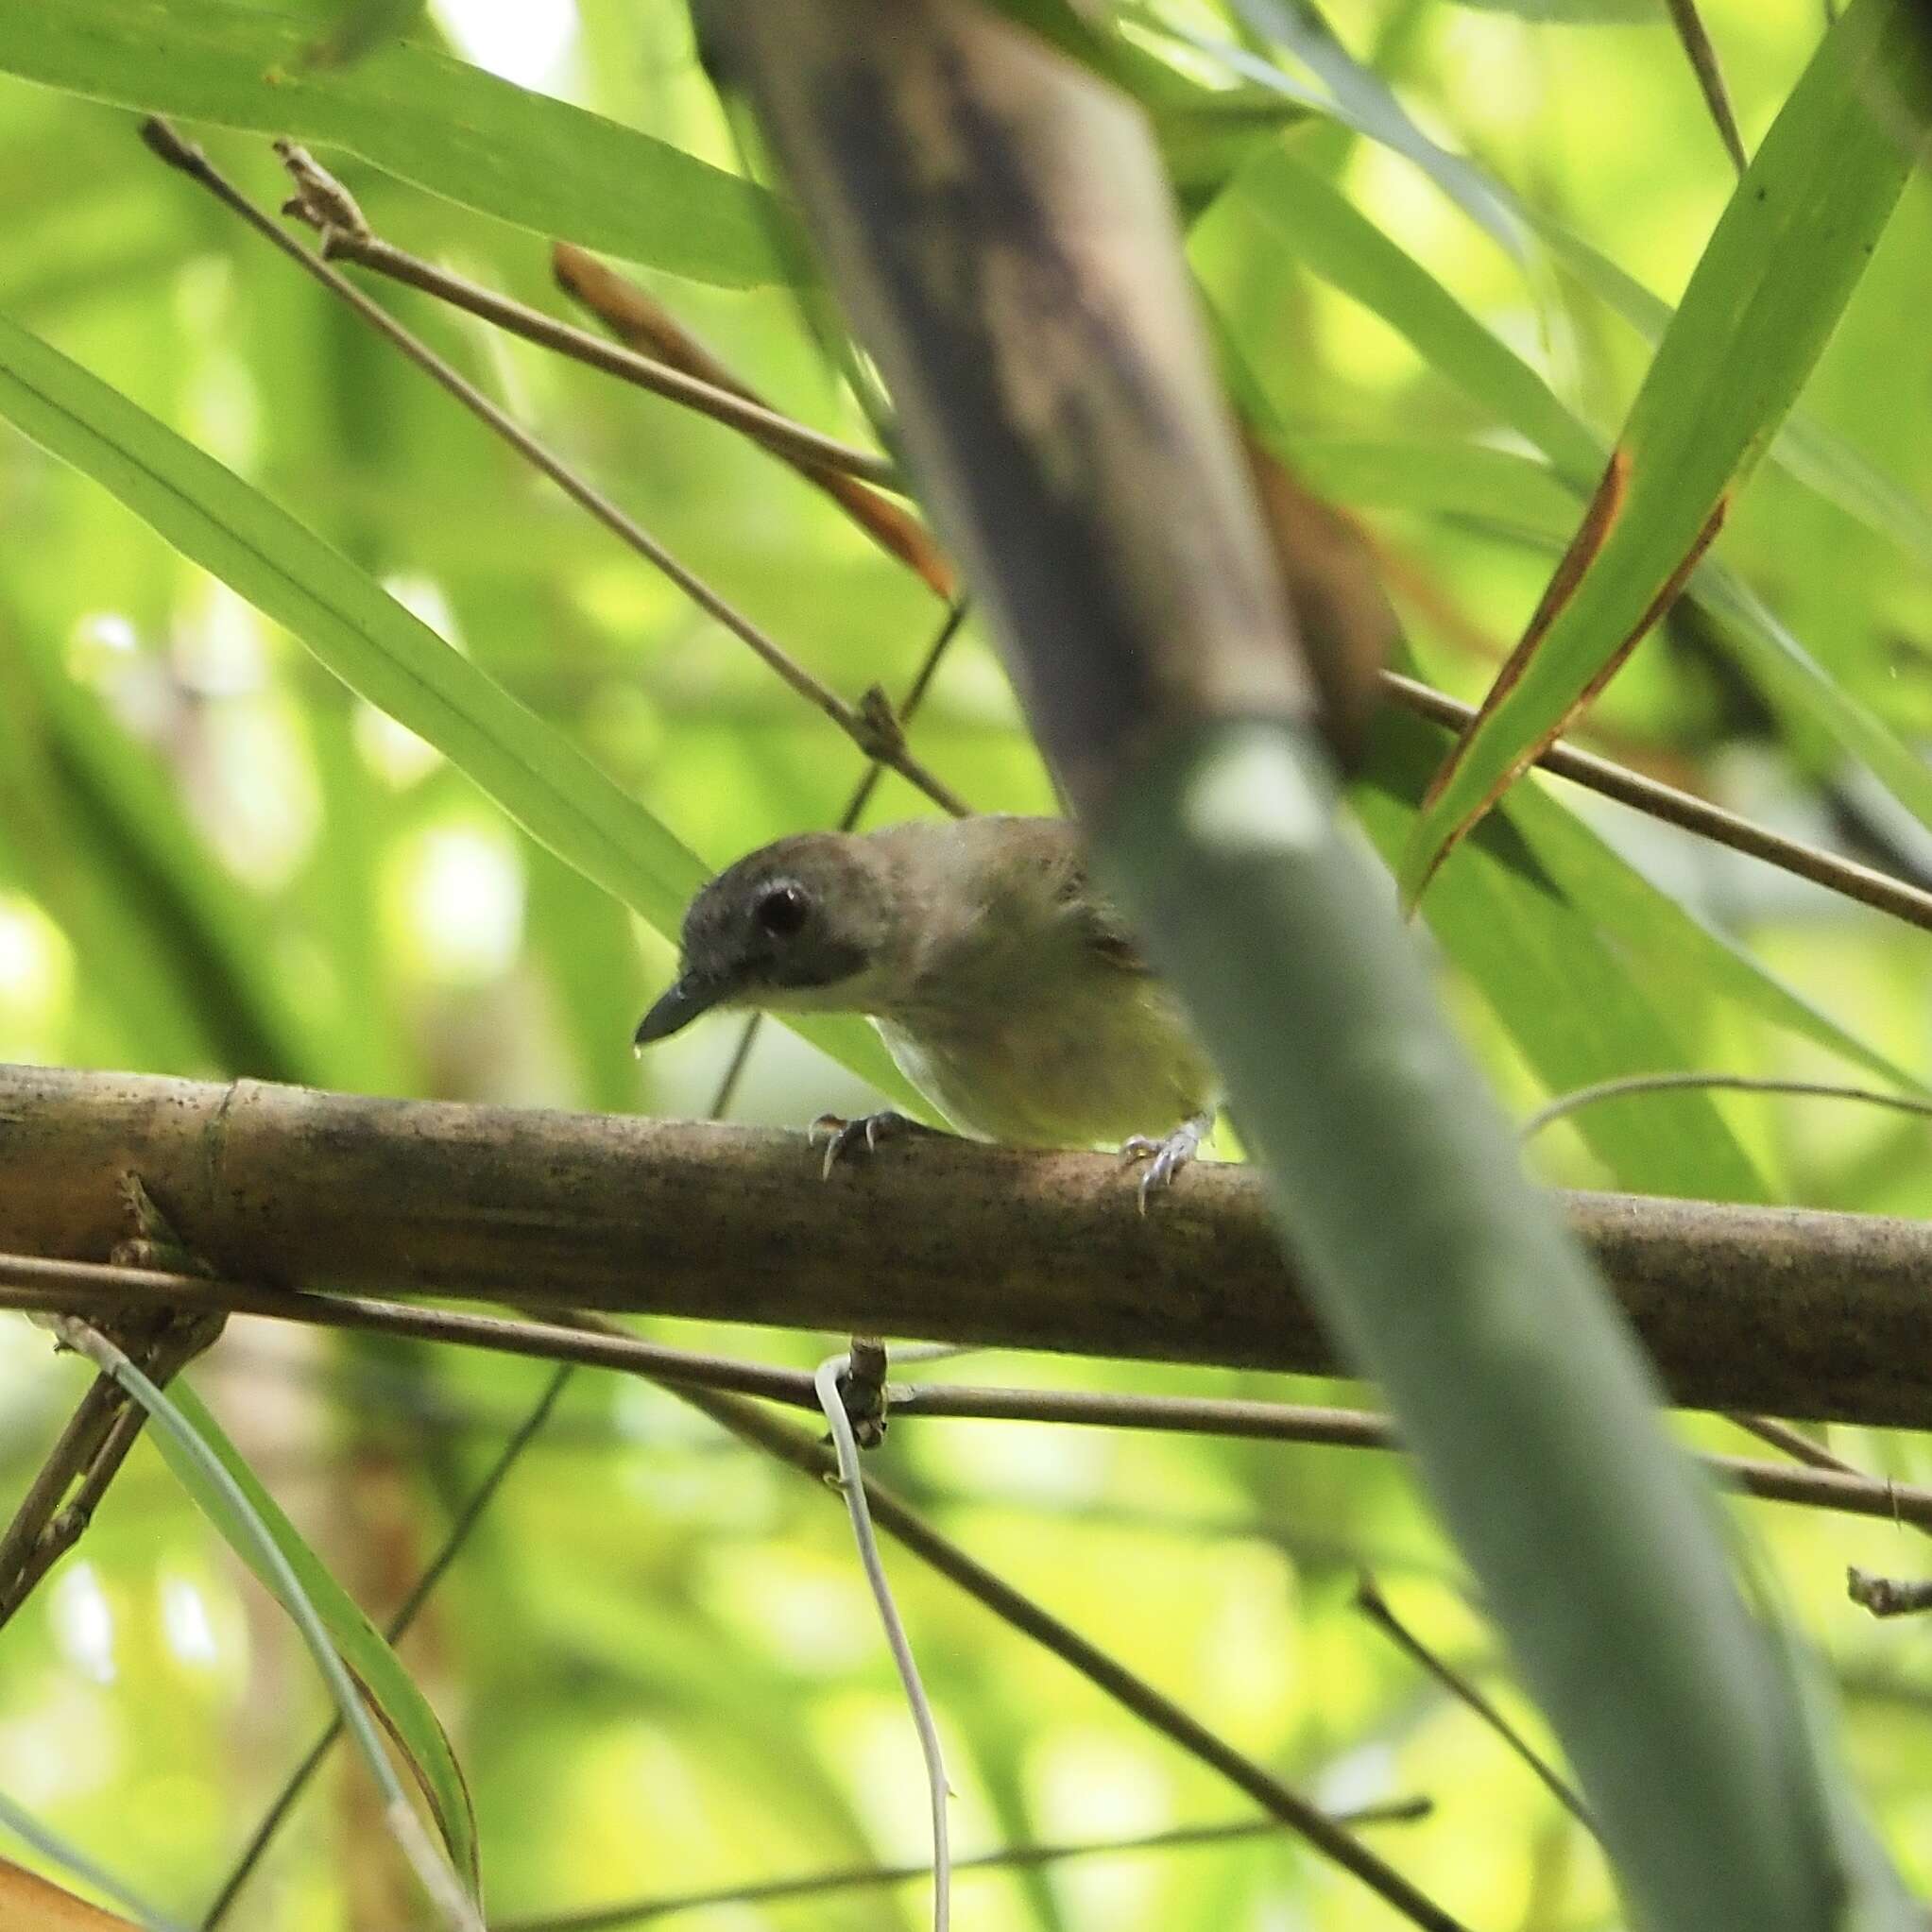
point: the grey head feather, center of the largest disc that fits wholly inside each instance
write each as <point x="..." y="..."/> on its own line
<point x="920" y="919"/>
<point x="787" y="925"/>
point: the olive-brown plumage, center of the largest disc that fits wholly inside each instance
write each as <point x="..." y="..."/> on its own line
<point x="1007" y="989"/>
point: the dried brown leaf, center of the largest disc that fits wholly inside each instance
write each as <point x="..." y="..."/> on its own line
<point x="31" y="1904"/>
<point x="1333" y="579"/>
<point x="640" y="322"/>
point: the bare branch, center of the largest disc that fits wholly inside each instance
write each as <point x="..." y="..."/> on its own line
<point x="797" y="1450"/>
<point x="1702" y="55"/>
<point x="878" y="737"/>
<point x="1766" y="1310"/>
<point x="1628" y="1086"/>
<point x="1011" y="1858"/>
<point x="1693" y="814"/>
<point x="1374" y="1606"/>
<point x="31" y="1282"/>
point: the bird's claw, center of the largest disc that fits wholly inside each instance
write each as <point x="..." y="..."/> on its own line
<point x="845" y="1138"/>
<point x="1165" y="1158"/>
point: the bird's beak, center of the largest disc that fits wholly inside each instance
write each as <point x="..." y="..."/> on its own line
<point x="688" y="997"/>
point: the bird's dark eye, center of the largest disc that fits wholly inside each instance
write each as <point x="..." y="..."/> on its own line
<point x="782" y="911"/>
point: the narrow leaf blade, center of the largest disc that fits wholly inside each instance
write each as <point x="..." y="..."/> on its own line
<point x="392" y="1692"/>
<point x="1784" y="261"/>
<point x="414" y="113"/>
<point x="376" y="647"/>
<point x="1577" y="1012"/>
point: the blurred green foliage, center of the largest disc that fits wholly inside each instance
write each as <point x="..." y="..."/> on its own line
<point x="655" y="1656"/>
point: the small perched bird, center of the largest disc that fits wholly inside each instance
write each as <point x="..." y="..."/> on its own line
<point x="1006" y="988"/>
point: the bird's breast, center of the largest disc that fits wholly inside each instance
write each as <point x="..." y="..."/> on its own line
<point x="1103" y="1058"/>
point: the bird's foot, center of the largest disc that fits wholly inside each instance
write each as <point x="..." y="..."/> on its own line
<point x="844" y="1139"/>
<point x="1165" y="1158"/>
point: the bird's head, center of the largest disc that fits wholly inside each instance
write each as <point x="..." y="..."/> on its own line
<point x="800" y="925"/>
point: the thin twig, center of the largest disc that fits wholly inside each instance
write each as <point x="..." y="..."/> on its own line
<point x="1710" y="77"/>
<point x="1840" y="1487"/>
<point x="798" y="1451"/>
<point x="949" y="628"/>
<point x="1673" y="807"/>
<point x="60" y="1502"/>
<point x="30" y="1282"/>
<point x="1881" y="1596"/>
<point x="782" y="435"/>
<point x="34" y="1282"/>
<point x="1010" y="1858"/>
<point x="404" y="1615"/>
<point x="869" y="725"/>
<point x="1374" y="1606"/>
<point x="850" y="1484"/>
<point x="1345" y="1428"/>
<point x="645" y="326"/>
<point x="1631" y="1084"/>
<point x="1794" y="1442"/>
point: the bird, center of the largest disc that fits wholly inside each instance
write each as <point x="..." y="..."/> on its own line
<point x="1007" y="987"/>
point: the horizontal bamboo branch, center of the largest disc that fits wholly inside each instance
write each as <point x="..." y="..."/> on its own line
<point x="1821" y="1316"/>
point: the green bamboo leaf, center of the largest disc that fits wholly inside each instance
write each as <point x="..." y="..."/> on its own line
<point x="1665" y="944"/>
<point x="1522" y="497"/>
<point x="1502" y="489"/>
<point x="378" y="649"/>
<point x="391" y="1691"/>
<point x="1304" y="211"/>
<point x="1361" y="101"/>
<point x="1351" y="252"/>
<point x="1453" y="482"/>
<point x="420" y="115"/>
<point x="1765" y="297"/>
<point x="1517" y="497"/>
<point x="56" y="1910"/>
<point x="1358" y="260"/>
<point x="358" y="28"/>
<point x="1205" y="140"/>
<point x="1359" y="98"/>
<point x="1454" y="342"/>
<point x="1803" y="447"/>
<point x="1577" y="1012"/>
